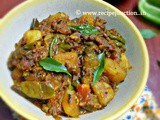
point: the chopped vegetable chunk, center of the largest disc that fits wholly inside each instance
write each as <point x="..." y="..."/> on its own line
<point x="32" y="36"/>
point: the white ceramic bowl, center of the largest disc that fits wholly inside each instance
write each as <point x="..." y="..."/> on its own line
<point x="16" y="22"/>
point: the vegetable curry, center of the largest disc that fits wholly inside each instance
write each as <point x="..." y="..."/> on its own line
<point x="69" y="66"/>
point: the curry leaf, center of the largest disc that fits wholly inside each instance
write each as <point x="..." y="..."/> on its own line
<point x="98" y="72"/>
<point x="35" y="24"/>
<point x="52" y="65"/>
<point x="86" y="30"/>
<point x="38" y="90"/>
<point x="51" y="46"/>
<point x="148" y="34"/>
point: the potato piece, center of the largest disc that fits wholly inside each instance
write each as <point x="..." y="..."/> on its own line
<point x="104" y="92"/>
<point x="58" y="16"/>
<point x="69" y="104"/>
<point x="124" y="62"/>
<point x="86" y="19"/>
<point x="113" y="71"/>
<point x="70" y="59"/>
<point x="32" y="35"/>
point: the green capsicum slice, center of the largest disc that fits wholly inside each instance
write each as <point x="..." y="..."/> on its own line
<point x="150" y="9"/>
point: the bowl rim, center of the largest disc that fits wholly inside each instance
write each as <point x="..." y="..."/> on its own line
<point x="136" y="95"/>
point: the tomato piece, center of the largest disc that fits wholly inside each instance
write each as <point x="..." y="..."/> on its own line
<point x="83" y="92"/>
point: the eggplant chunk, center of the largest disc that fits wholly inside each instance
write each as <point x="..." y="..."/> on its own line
<point x="17" y="75"/>
<point x="70" y="103"/>
<point x="32" y="35"/>
<point x="104" y="92"/>
<point x="124" y="62"/>
<point x="91" y="58"/>
<point x="93" y="104"/>
<point x="90" y="64"/>
<point x="38" y="90"/>
<point x="113" y="71"/>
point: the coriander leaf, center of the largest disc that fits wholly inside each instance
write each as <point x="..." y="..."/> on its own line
<point x="148" y="34"/>
<point x="52" y="65"/>
<point x="158" y="62"/>
<point x="51" y="46"/>
<point x="86" y="30"/>
<point x="98" y="72"/>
